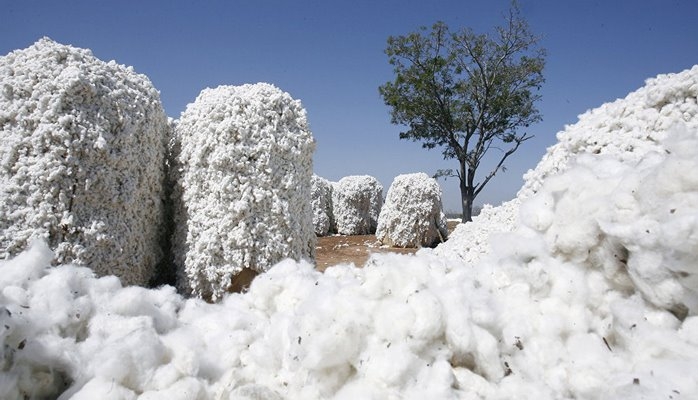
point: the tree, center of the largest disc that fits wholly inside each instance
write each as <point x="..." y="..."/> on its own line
<point x="466" y="93"/>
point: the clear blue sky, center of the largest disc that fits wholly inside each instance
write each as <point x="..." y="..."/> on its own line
<point x="330" y="55"/>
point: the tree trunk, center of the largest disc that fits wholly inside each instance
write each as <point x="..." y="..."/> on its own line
<point x="466" y="193"/>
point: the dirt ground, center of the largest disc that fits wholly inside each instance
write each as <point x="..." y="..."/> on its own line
<point x="333" y="250"/>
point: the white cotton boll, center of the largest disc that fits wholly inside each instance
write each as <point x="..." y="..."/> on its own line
<point x="356" y="204"/>
<point x="428" y="316"/>
<point x="571" y="235"/>
<point x="590" y="356"/>
<point x="523" y="246"/>
<point x="27" y="265"/>
<point x="486" y="354"/>
<point x="254" y="392"/>
<point x="393" y="319"/>
<point x="184" y="389"/>
<point x="160" y="304"/>
<point x="538" y="212"/>
<point x="82" y="160"/>
<point x="101" y="388"/>
<point x="15" y="294"/>
<point x="474" y="385"/>
<point x="242" y="162"/>
<point x="61" y="297"/>
<point x="433" y="381"/>
<point x="213" y="340"/>
<point x="126" y="350"/>
<point x="458" y="328"/>
<point x="360" y="389"/>
<point x="390" y="366"/>
<point x="8" y="387"/>
<point x="412" y="215"/>
<point x="653" y="281"/>
<point x="332" y="336"/>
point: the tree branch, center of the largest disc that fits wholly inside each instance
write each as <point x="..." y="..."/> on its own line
<point x="489" y="176"/>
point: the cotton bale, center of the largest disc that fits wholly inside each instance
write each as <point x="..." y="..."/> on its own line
<point x="412" y="215"/>
<point x="81" y="160"/>
<point x="243" y="160"/>
<point x="357" y="202"/>
<point x="321" y="198"/>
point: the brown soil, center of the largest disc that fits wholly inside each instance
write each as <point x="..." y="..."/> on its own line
<point x="333" y="250"/>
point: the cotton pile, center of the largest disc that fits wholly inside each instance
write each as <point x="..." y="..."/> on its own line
<point x="412" y="215"/>
<point x="321" y="199"/>
<point x="625" y="129"/>
<point x="588" y="293"/>
<point x="243" y="160"/>
<point x="81" y="160"/>
<point x="356" y="203"/>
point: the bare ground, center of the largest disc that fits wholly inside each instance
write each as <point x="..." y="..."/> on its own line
<point x="333" y="250"/>
<point x="337" y="249"/>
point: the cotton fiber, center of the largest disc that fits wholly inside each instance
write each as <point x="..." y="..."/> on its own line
<point x="584" y="288"/>
<point x="357" y="201"/>
<point x="626" y="128"/>
<point x="81" y="160"/>
<point x="411" y="215"/>
<point x="321" y="197"/>
<point x="244" y="159"/>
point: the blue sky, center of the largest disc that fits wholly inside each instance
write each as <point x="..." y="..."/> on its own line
<point x="330" y="55"/>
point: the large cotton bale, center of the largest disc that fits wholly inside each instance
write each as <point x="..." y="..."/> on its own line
<point x="244" y="159"/>
<point x="321" y="199"/>
<point x="357" y="202"/>
<point x="411" y="215"/>
<point x="81" y="160"/>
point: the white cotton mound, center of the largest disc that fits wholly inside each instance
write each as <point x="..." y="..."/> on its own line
<point x="357" y="201"/>
<point x="626" y="129"/>
<point x="592" y="295"/>
<point x="81" y="160"/>
<point x="321" y="199"/>
<point x="471" y="241"/>
<point x="244" y="159"/>
<point x="411" y="215"/>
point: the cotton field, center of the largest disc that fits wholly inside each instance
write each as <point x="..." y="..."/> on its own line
<point x="583" y="287"/>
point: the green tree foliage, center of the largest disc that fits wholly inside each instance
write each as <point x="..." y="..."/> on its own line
<point x="466" y="94"/>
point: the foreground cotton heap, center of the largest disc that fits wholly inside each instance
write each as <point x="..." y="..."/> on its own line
<point x="411" y="215"/>
<point x="591" y="295"/>
<point x="81" y="160"/>
<point x="356" y="204"/>
<point x="321" y="199"/>
<point x="244" y="159"/>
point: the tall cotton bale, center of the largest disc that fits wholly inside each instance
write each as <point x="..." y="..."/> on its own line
<point x="321" y="199"/>
<point x="411" y="215"/>
<point x="357" y="202"/>
<point x="81" y="160"/>
<point x="244" y="159"/>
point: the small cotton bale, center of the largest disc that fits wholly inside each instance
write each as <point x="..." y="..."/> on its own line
<point x="357" y="202"/>
<point x="81" y="160"/>
<point x="411" y="215"/>
<point x="243" y="156"/>
<point x="321" y="198"/>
